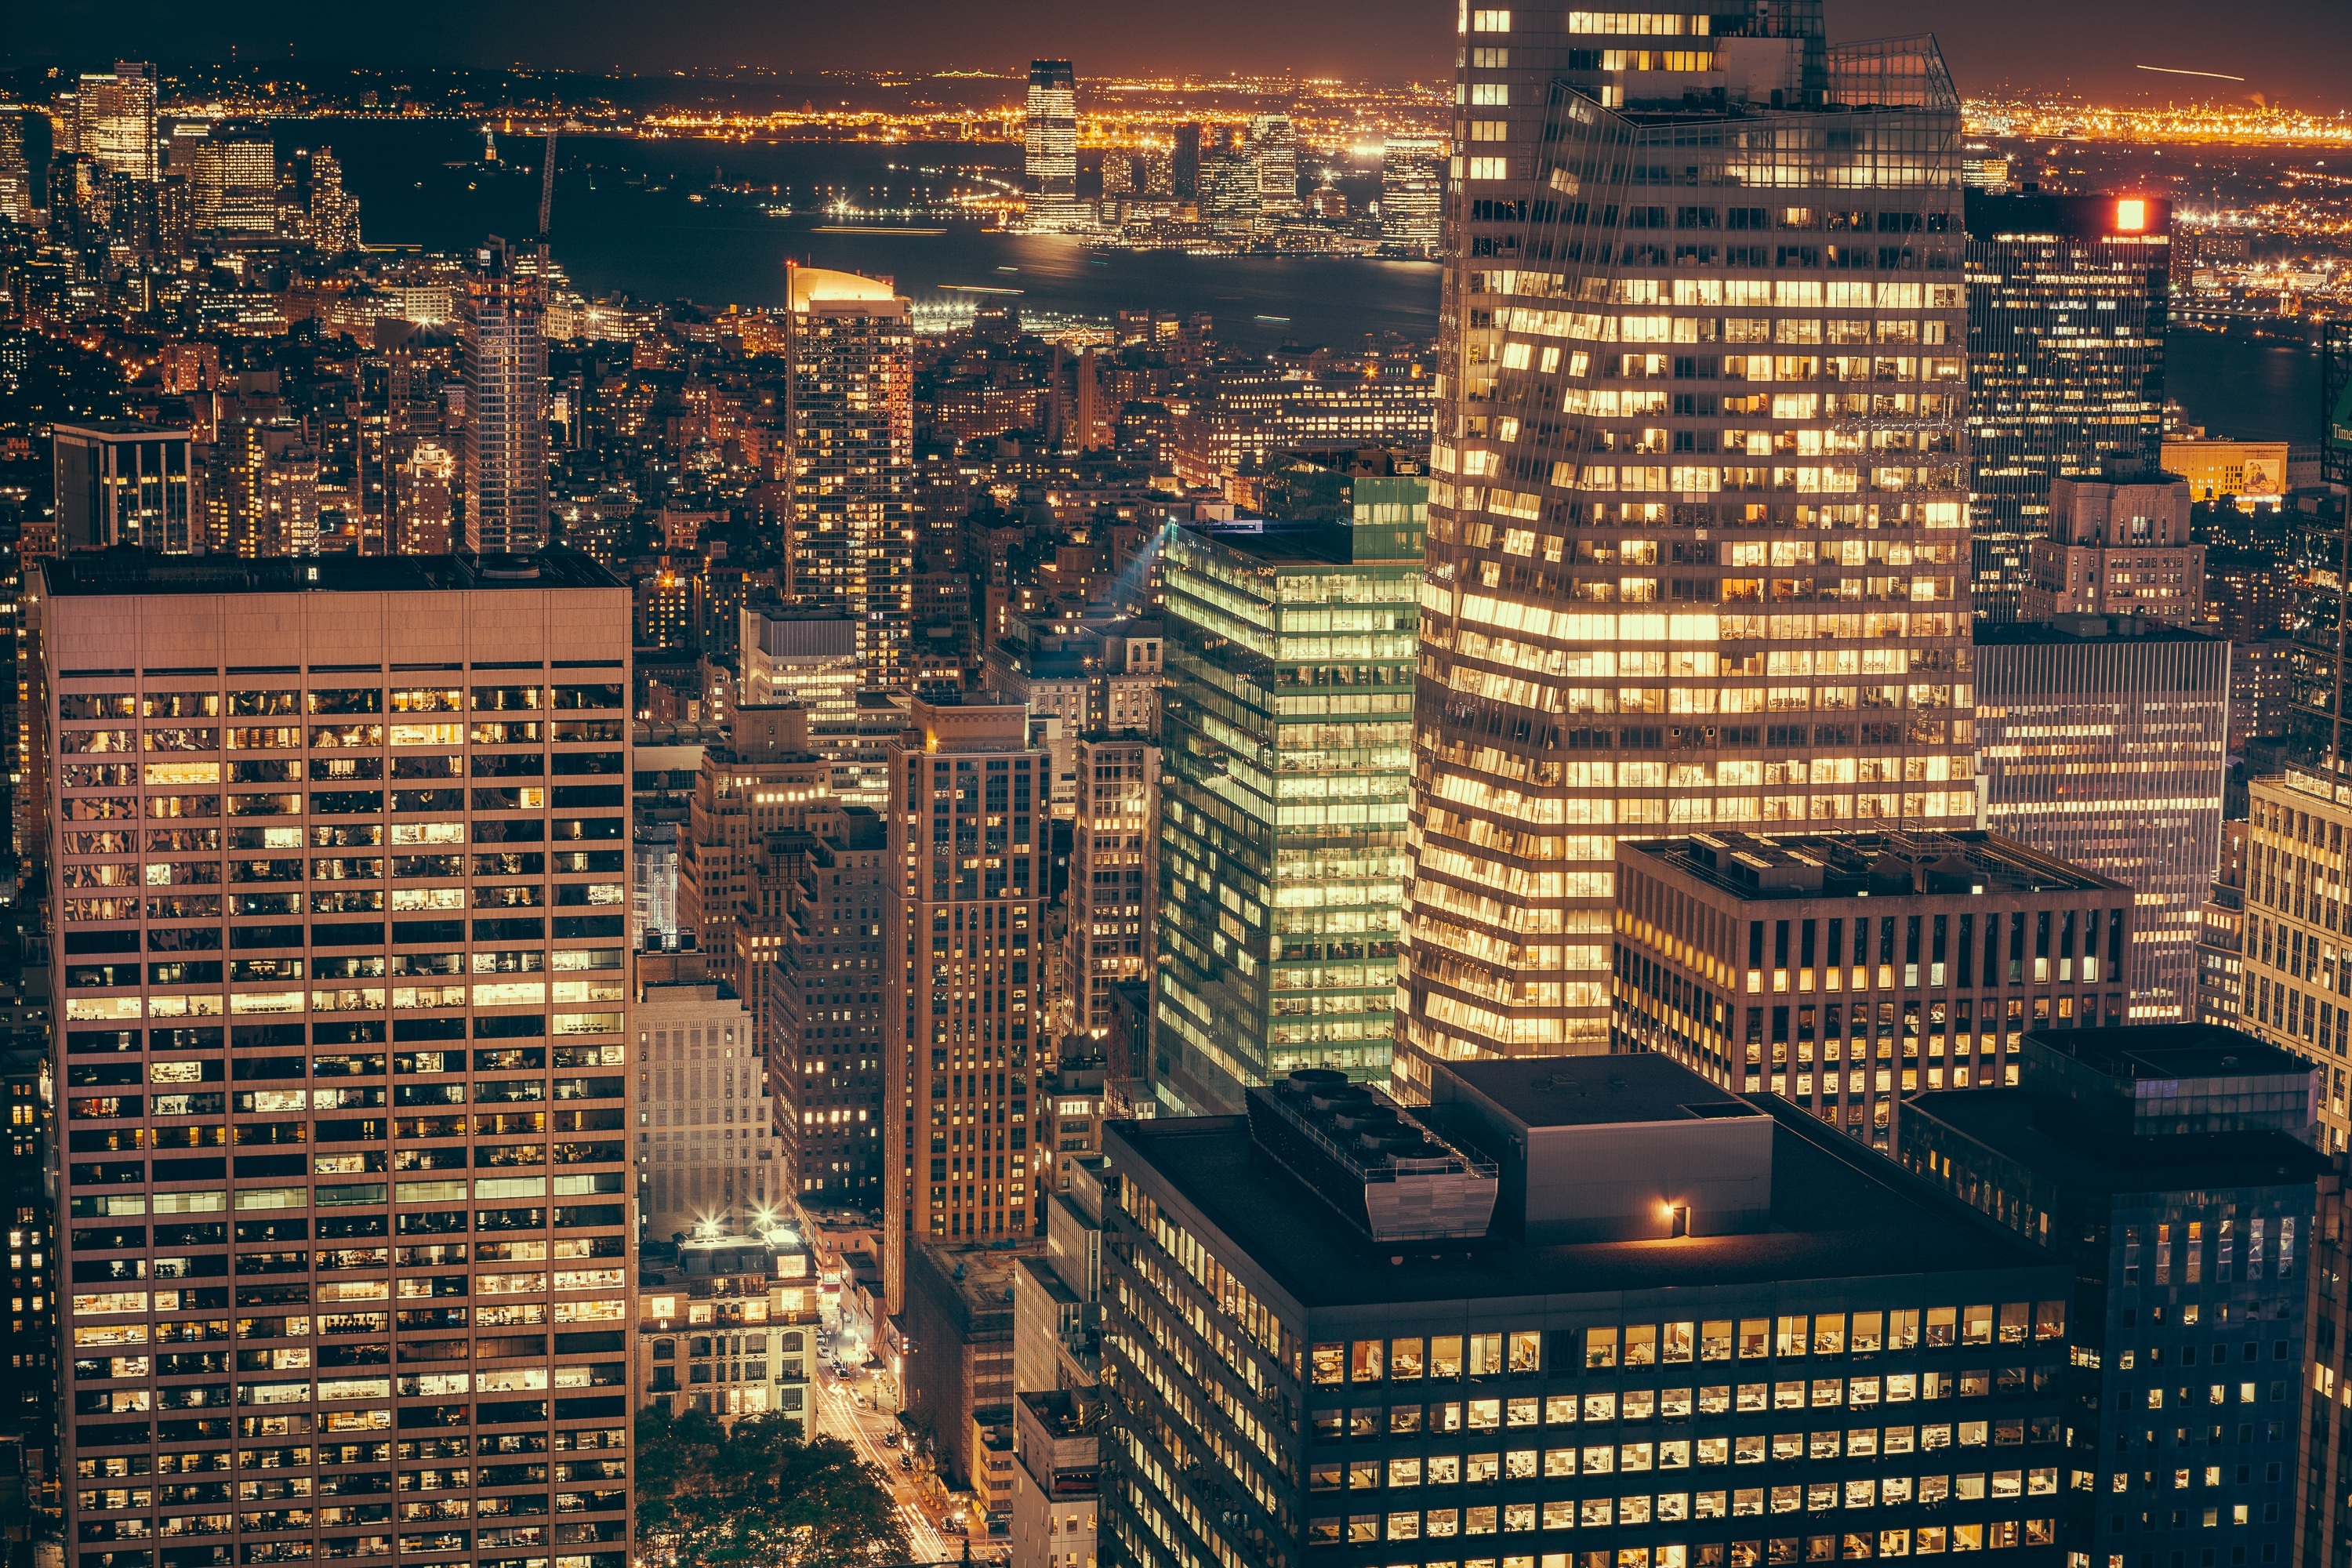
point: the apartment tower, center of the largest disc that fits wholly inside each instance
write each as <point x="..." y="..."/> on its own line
<point x="340" y="853"/>
<point x="849" y="477"/>
<point x="1698" y="519"/>
<point x="505" y="450"/>
<point x="963" y="967"/>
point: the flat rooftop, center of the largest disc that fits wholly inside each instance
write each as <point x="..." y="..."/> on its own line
<point x="110" y="572"/>
<point x="2002" y="1120"/>
<point x="1924" y="864"/>
<point x="1837" y="1214"/>
<point x="1591" y="1091"/>
<point x="2173" y="1051"/>
<point x="2071" y="630"/>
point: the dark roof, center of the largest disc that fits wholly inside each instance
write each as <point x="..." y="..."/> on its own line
<point x="1838" y="1213"/>
<point x="2002" y="1120"/>
<point x="2082" y="629"/>
<point x="107" y="573"/>
<point x="1591" y="1091"/>
<point x="2174" y="1052"/>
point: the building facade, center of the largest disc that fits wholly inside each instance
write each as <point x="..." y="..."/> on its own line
<point x="342" y="996"/>
<point x="2068" y="300"/>
<point x="2295" y="963"/>
<point x="1282" y="827"/>
<point x="503" y="455"/>
<point x="2119" y="544"/>
<point x="1555" y="1400"/>
<point x="823" y="1041"/>
<point x="1846" y="973"/>
<point x="1114" y="874"/>
<point x="2102" y="742"/>
<point x="964" y="964"/>
<point x="1050" y="142"/>
<point x="121" y="481"/>
<point x="727" y="1324"/>
<point x="1661" y="315"/>
<point x="711" y="1153"/>
<point x="2187" y="1216"/>
<point x="849" y="472"/>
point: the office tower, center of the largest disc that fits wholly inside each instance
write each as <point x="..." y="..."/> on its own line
<point x="1846" y="971"/>
<point x="1050" y="145"/>
<point x="286" y="1264"/>
<point x="959" y="1321"/>
<point x="1057" y="1318"/>
<point x="122" y="481"/>
<point x="312" y="204"/>
<point x="811" y="657"/>
<point x="1244" y="414"/>
<point x="2221" y="933"/>
<point x="965" y="957"/>
<point x="1621" y="251"/>
<point x="16" y="170"/>
<point x="711" y="1153"/>
<point x="2102" y="742"/>
<point x="2187" y="1216"/>
<point x="760" y="778"/>
<point x="1114" y="840"/>
<point x="28" y="1387"/>
<point x="728" y="1327"/>
<point x="849" y="409"/>
<point x="1185" y="162"/>
<point x="2119" y="544"/>
<point x="1156" y="169"/>
<point x="2068" y="298"/>
<point x="420" y="506"/>
<point x="1118" y="173"/>
<point x="114" y="119"/>
<point x="1228" y="183"/>
<point x="505" y="442"/>
<point x="1282" y="814"/>
<point x="2296" y="913"/>
<point x="234" y="178"/>
<point x="824" y="1039"/>
<point x="1273" y="156"/>
<point x="259" y="489"/>
<point x="1413" y="194"/>
<point x="1603" y="1201"/>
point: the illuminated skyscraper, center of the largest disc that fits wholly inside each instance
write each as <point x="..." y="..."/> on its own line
<point x="1698" y="516"/>
<point x="849" y="394"/>
<point x="114" y="119"/>
<point x="1273" y="155"/>
<point x="371" y="1107"/>
<point x="1050" y="150"/>
<point x="1412" y="193"/>
<point x="2067" y="302"/>
<point x="16" y="174"/>
<point x="506" y="403"/>
<point x="235" y="180"/>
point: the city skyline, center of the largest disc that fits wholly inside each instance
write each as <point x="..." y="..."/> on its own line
<point x="1388" y="38"/>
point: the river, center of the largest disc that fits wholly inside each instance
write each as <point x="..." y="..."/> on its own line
<point x="627" y="220"/>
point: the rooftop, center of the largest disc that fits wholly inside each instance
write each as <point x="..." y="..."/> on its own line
<point x="2004" y="1120"/>
<point x="127" y="571"/>
<point x="1891" y="864"/>
<point x="1587" y="1091"/>
<point x="2071" y="630"/>
<point x="1837" y="1212"/>
<point x="2174" y="1052"/>
<point x="120" y="429"/>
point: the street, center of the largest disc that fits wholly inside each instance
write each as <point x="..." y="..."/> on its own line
<point x="838" y="1415"/>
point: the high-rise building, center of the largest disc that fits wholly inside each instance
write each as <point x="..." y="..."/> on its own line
<point x="2187" y="1216"/>
<point x="235" y="178"/>
<point x="1845" y="972"/>
<point x="824" y="1038"/>
<point x="708" y="1155"/>
<point x="353" y="1137"/>
<point x="1282" y="827"/>
<point x="2119" y="544"/>
<point x="260" y="490"/>
<point x="849" y="473"/>
<point x="421" y="489"/>
<point x="762" y="779"/>
<point x="1698" y="516"/>
<point x="1413" y="194"/>
<point x="1057" y="1406"/>
<point x="2293" y="964"/>
<point x="2068" y="298"/>
<point x="1050" y="146"/>
<point x="964" y="963"/>
<point x="1273" y="155"/>
<point x="2104" y="743"/>
<point x="312" y="204"/>
<point x="1114" y="843"/>
<point x="1447" y="1409"/>
<point x="114" y="119"/>
<point x="124" y="481"/>
<point x="15" y="168"/>
<point x="505" y="442"/>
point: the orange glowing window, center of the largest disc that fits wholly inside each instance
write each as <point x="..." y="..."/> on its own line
<point x="2131" y="216"/>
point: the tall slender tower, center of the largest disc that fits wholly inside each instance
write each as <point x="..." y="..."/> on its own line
<point x="1697" y="528"/>
<point x="850" y="481"/>
<point x="1051" y="145"/>
<point x="506" y="402"/>
<point x="114" y="119"/>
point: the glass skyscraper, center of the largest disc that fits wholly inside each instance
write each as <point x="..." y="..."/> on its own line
<point x="2067" y="304"/>
<point x="1285" y="731"/>
<point x="1697" y="514"/>
<point x="506" y="403"/>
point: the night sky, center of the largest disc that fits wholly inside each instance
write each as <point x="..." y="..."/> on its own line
<point x="2290" y="51"/>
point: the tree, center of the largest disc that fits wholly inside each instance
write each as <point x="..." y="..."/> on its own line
<point x="759" y="1496"/>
